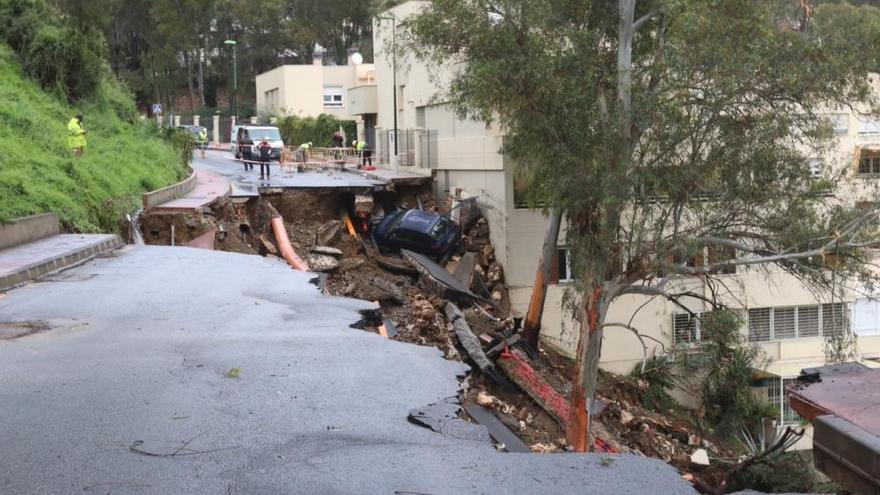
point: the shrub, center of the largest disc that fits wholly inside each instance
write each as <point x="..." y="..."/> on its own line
<point x="52" y="50"/>
<point x="660" y="376"/>
<point x="297" y="130"/>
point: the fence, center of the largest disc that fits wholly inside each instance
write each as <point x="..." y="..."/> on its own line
<point x="406" y="146"/>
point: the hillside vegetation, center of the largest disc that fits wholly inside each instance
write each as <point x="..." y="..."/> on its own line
<point x="38" y="173"/>
<point x="50" y="72"/>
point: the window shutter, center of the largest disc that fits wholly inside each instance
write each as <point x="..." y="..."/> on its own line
<point x="759" y="325"/>
<point x="783" y="323"/>
<point x="683" y="328"/>
<point x="834" y="319"/>
<point x="808" y="321"/>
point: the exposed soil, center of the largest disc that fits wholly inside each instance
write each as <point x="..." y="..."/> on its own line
<point x="313" y="218"/>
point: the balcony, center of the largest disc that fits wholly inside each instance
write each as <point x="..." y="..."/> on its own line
<point x="362" y="100"/>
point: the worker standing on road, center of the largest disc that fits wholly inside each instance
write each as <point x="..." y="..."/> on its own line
<point x="338" y="142"/>
<point x="303" y="151"/>
<point x="246" y="149"/>
<point x="203" y="140"/>
<point x="365" y="153"/>
<point x="76" y="136"/>
<point x="265" y="156"/>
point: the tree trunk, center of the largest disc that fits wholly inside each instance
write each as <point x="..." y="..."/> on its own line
<point x="202" y="51"/>
<point x="532" y="325"/>
<point x="583" y="386"/>
<point x="187" y="58"/>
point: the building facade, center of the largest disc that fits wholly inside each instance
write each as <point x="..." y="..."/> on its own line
<point x="309" y="90"/>
<point x="785" y="318"/>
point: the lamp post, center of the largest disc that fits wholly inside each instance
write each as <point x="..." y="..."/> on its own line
<point x="393" y="20"/>
<point x="234" y="45"/>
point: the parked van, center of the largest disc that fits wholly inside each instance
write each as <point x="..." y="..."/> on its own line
<point x="251" y="135"/>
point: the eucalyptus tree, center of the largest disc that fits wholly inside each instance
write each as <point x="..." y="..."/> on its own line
<point x="667" y="129"/>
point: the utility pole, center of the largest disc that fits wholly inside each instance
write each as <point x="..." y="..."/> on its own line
<point x="234" y="46"/>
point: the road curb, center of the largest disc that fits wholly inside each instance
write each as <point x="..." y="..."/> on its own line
<point x="35" y="270"/>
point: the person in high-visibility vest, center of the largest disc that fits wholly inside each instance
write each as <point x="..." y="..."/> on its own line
<point x="304" y="151"/>
<point x="203" y="140"/>
<point x="365" y="153"/>
<point x="76" y="136"/>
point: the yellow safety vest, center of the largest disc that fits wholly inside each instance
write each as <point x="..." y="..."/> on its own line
<point x="76" y="135"/>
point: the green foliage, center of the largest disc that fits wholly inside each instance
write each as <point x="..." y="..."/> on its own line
<point x="156" y="45"/>
<point x="124" y="156"/>
<point x="52" y="50"/>
<point x="660" y="375"/>
<point x="723" y="370"/>
<point x="182" y="141"/>
<point x="319" y="131"/>
<point x="790" y="472"/>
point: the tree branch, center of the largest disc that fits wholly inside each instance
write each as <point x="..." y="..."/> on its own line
<point x="641" y="21"/>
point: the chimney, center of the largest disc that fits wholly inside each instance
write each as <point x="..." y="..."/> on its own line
<point x="351" y="51"/>
<point x="318" y="55"/>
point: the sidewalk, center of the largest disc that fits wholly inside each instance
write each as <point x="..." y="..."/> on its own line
<point x="209" y="187"/>
<point x="35" y="259"/>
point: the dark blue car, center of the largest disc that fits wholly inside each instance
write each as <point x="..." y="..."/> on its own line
<point x="418" y="230"/>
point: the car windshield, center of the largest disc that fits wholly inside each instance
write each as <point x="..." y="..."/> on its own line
<point x="270" y="133"/>
<point x="396" y="222"/>
<point x="439" y="229"/>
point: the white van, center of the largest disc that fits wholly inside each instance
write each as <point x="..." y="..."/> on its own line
<point x="251" y="135"/>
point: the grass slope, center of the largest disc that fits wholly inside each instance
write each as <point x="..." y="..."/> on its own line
<point x="38" y="174"/>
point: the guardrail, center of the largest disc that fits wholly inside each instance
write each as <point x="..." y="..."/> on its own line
<point x="170" y="193"/>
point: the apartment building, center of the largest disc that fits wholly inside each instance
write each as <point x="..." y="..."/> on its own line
<point x="785" y="318"/>
<point x="309" y="90"/>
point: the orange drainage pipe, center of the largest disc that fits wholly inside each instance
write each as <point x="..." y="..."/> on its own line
<point x="284" y="246"/>
<point x="350" y="226"/>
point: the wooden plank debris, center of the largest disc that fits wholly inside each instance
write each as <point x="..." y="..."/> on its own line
<point x="522" y="374"/>
<point x="472" y="345"/>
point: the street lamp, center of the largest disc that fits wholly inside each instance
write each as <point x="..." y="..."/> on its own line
<point x="233" y="44"/>
<point x="393" y="20"/>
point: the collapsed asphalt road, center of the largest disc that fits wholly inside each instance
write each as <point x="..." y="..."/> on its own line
<point x="176" y="370"/>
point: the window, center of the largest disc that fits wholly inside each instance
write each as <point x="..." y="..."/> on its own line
<point x="561" y="269"/>
<point x="687" y="327"/>
<point x="866" y="317"/>
<point x="840" y="123"/>
<point x="759" y="325"/>
<point x="816" y="167"/>
<point x="869" y="125"/>
<point x="270" y="98"/>
<point x="332" y="96"/>
<point x="869" y="162"/>
<point x="522" y="194"/>
<point x="766" y="324"/>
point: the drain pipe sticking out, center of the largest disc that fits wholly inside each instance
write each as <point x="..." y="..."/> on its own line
<point x="284" y="246"/>
<point x="172" y="234"/>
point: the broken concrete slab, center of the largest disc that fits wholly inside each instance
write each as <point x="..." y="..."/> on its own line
<point x="322" y="262"/>
<point x="268" y="245"/>
<point x="472" y="345"/>
<point x="509" y="441"/>
<point x="464" y="270"/>
<point x="443" y="417"/>
<point x="439" y="278"/>
<point x="328" y="233"/>
<point x="329" y="251"/>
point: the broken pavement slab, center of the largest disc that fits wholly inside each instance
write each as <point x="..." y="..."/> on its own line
<point x="440" y="278"/>
<point x="138" y="373"/>
<point x="502" y="434"/>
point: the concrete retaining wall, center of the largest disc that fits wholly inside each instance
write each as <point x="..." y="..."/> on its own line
<point x="28" y="229"/>
<point x="172" y="192"/>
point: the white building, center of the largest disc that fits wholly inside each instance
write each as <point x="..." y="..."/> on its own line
<point x="784" y="318"/>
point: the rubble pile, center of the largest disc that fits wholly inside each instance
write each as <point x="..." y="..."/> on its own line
<point x="414" y="294"/>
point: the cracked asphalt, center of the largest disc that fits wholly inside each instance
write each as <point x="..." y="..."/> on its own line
<point x="129" y="391"/>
